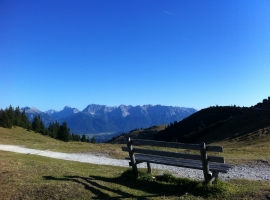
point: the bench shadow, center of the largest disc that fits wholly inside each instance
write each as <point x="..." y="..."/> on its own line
<point x="155" y="188"/>
<point x="91" y="184"/>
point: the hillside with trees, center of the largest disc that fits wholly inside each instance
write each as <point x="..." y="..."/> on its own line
<point x="193" y="127"/>
<point x="147" y="133"/>
<point x="13" y="117"/>
<point x="247" y="122"/>
<point x="213" y="124"/>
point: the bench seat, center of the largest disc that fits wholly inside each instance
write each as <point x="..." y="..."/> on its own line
<point x="211" y="165"/>
<point x="193" y="164"/>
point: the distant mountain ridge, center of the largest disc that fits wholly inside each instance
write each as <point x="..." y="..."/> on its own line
<point x="67" y="111"/>
<point x="31" y="112"/>
<point x="96" y="118"/>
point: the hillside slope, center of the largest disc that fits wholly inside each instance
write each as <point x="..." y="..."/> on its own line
<point x="192" y="127"/>
<point x="252" y="124"/>
<point x="212" y="125"/>
<point x="147" y="133"/>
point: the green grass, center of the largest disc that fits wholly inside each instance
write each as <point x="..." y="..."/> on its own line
<point x="252" y="148"/>
<point x="34" y="177"/>
<point x="30" y="139"/>
<point x="237" y="151"/>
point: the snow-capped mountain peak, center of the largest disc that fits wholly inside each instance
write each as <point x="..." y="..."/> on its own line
<point x="51" y="111"/>
<point x="101" y="118"/>
<point x="74" y="110"/>
<point x="124" y="110"/>
<point x="31" y="110"/>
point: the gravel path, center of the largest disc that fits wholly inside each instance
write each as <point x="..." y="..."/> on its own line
<point x="256" y="171"/>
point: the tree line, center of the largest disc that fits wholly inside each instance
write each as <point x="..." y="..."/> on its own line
<point x="14" y="117"/>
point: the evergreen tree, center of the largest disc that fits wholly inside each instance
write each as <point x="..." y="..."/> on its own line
<point x="83" y="139"/>
<point x="63" y="133"/>
<point x="72" y="137"/>
<point x="1" y="116"/>
<point x="75" y="137"/>
<point x="10" y="113"/>
<point x="17" y="117"/>
<point x="53" y="129"/>
<point x="25" y="123"/>
<point x="93" y="140"/>
<point x="9" y="117"/>
<point x="36" y="124"/>
<point x="5" y="120"/>
<point x="50" y="129"/>
<point x="42" y="128"/>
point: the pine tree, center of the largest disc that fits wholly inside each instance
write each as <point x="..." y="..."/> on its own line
<point x="17" y="117"/>
<point x="10" y="113"/>
<point x="5" y="120"/>
<point x="53" y="129"/>
<point x="42" y="128"/>
<point x="25" y="123"/>
<point x="75" y="137"/>
<point x="1" y="116"/>
<point x="83" y="139"/>
<point x="36" y="124"/>
<point x="93" y="140"/>
<point x="50" y="128"/>
<point x="63" y="133"/>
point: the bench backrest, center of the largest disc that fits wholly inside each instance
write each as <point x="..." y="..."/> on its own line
<point x="138" y="142"/>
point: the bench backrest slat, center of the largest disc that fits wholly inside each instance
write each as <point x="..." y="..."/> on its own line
<point x="175" y="145"/>
<point x="176" y="154"/>
<point x="214" y="148"/>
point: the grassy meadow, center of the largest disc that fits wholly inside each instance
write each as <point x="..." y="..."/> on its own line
<point x="35" y="177"/>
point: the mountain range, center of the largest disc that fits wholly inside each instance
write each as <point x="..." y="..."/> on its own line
<point x="96" y="119"/>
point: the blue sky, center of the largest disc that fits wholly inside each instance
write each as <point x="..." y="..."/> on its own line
<point x="183" y="53"/>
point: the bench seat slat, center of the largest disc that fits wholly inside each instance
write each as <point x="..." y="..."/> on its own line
<point x="185" y="163"/>
<point x="182" y="162"/>
<point x="171" y="163"/>
<point x="175" y="145"/>
<point x="197" y="166"/>
<point x="175" y="154"/>
<point x="166" y="144"/>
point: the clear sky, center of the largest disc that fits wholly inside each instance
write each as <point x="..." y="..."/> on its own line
<point x="187" y="53"/>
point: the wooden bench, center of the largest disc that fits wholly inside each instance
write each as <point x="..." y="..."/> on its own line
<point x="211" y="165"/>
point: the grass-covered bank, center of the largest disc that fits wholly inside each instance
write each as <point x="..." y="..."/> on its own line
<point x="35" y="177"/>
<point x="235" y="151"/>
<point x="30" y="139"/>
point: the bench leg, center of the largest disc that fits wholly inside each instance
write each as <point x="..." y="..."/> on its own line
<point x="207" y="175"/>
<point x="131" y="155"/>
<point x="214" y="176"/>
<point x="149" y="168"/>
